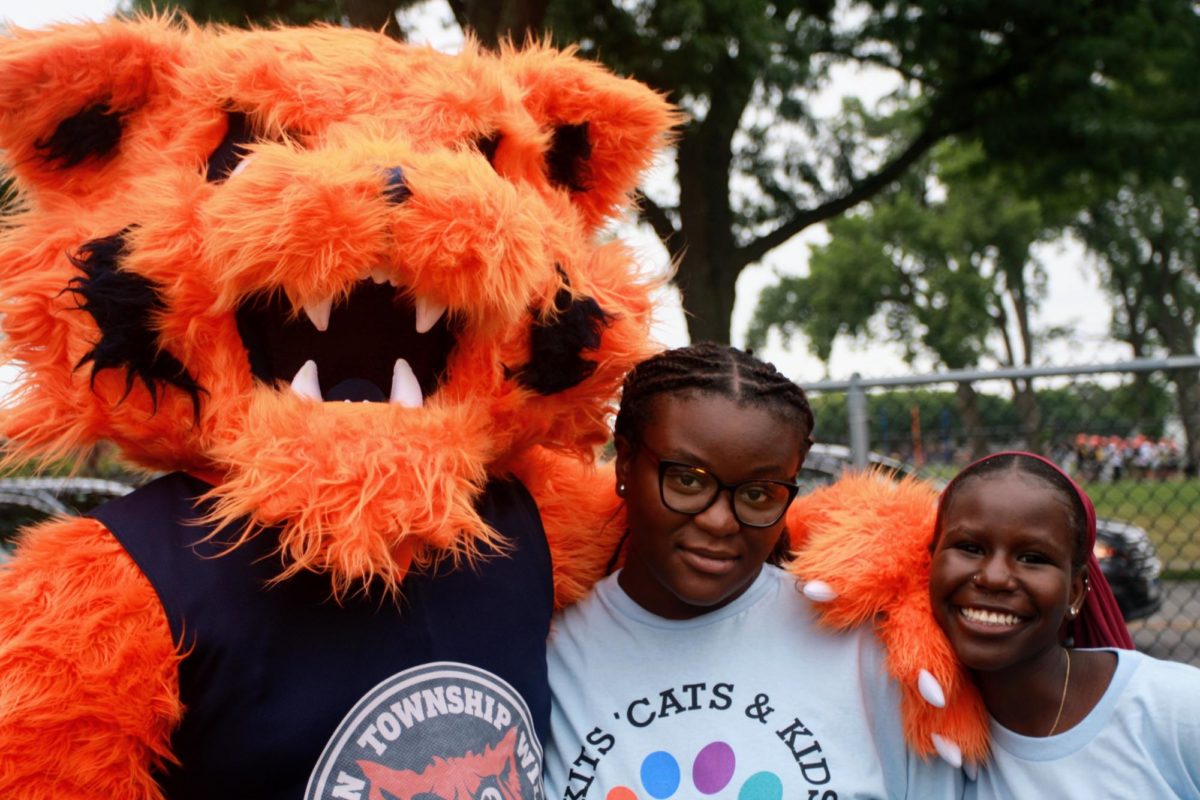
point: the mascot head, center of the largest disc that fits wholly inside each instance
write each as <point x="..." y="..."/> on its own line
<point x="343" y="278"/>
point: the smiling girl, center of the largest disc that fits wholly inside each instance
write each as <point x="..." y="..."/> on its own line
<point x="1016" y="589"/>
<point x="698" y="668"/>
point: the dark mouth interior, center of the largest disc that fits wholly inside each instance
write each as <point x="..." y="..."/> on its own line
<point x="356" y="355"/>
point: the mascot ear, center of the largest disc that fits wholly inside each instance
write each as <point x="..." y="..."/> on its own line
<point x="604" y="130"/>
<point x="68" y="95"/>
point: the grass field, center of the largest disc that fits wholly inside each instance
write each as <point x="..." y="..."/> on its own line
<point x="1168" y="510"/>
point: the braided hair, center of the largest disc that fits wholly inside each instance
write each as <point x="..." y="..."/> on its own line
<point x="709" y="368"/>
<point x="715" y="369"/>
<point x="1026" y="464"/>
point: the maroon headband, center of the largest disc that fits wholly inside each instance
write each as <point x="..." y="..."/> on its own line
<point x="1099" y="623"/>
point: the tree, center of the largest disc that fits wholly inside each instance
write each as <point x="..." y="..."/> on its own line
<point x="944" y="262"/>
<point x="756" y="166"/>
<point x="1146" y="239"/>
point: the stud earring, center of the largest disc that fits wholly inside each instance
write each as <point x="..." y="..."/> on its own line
<point x="620" y="490"/>
<point x="1072" y="613"/>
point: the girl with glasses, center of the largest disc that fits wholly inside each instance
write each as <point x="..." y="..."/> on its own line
<point x="697" y="669"/>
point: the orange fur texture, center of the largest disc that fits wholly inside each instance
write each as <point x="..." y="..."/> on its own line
<point x="360" y="492"/>
<point x="867" y="537"/>
<point x="362" y="162"/>
<point x="87" y="669"/>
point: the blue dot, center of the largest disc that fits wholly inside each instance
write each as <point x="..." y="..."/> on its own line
<point x="660" y="774"/>
<point x="762" y="786"/>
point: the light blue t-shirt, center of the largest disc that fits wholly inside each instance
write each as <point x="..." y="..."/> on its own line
<point x="1142" y="740"/>
<point x="753" y="701"/>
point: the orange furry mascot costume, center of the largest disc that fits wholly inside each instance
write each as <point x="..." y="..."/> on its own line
<point x="341" y="290"/>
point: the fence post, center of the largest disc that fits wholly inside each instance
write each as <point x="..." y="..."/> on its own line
<point x="856" y="410"/>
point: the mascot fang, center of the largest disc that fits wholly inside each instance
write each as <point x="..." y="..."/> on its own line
<point x="350" y="296"/>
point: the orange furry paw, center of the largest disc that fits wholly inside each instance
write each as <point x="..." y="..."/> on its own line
<point x="89" y="694"/>
<point x="863" y="556"/>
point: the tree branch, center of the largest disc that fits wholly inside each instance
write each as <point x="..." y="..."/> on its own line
<point x="864" y="189"/>
<point x="655" y="215"/>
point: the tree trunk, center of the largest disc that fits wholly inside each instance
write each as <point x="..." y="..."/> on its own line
<point x="1029" y="413"/>
<point x="708" y="294"/>
<point x="492" y="21"/>
<point x="1179" y="339"/>
<point x="375" y="15"/>
<point x="973" y="425"/>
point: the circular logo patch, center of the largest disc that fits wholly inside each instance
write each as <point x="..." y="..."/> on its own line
<point x="441" y="730"/>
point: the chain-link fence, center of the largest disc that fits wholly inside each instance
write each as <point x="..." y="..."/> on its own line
<point x="1121" y="430"/>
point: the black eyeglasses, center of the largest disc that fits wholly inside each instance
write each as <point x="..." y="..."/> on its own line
<point x="687" y="489"/>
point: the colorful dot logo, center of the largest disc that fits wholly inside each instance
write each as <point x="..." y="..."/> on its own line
<point x="713" y="771"/>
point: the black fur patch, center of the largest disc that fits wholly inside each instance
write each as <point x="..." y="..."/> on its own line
<point x="124" y="306"/>
<point x="567" y="159"/>
<point x="557" y="344"/>
<point x="91" y="133"/>
<point x="488" y="145"/>
<point x="232" y="149"/>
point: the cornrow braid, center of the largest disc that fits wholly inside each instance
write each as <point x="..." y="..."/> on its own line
<point x="708" y="368"/>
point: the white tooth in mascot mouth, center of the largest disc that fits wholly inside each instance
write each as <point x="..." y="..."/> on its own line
<point x="307" y="383"/>
<point x="428" y="313"/>
<point x="985" y="617"/>
<point x="405" y="389"/>
<point x="318" y="313"/>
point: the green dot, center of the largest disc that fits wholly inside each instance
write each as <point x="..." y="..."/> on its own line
<point x="762" y="786"/>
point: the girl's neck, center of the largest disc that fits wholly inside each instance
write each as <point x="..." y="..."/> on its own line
<point x="1026" y="698"/>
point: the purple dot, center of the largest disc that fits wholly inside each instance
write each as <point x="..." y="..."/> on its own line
<point x="713" y="768"/>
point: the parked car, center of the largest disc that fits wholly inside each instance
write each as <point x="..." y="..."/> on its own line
<point x="24" y="501"/>
<point x="1126" y="555"/>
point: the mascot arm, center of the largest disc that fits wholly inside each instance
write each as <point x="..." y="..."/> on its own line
<point x="862" y="551"/>
<point x="582" y="515"/>
<point x="88" y="670"/>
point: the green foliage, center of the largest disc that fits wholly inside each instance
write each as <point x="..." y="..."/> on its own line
<point x="934" y="271"/>
<point x="1081" y="407"/>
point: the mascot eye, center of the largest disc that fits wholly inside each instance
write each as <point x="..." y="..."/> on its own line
<point x="488" y="145"/>
<point x="568" y="156"/>
<point x="231" y="152"/>
<point x="92" y="132"/>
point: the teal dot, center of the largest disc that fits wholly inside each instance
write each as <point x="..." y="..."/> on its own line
<point x="762" y="786"/>
<point x="660" y="774"/>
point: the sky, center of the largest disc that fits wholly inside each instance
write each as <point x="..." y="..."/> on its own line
<point x="1074" y="299"/>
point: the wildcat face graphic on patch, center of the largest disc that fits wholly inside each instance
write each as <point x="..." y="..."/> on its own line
<point x="441" y="730"/>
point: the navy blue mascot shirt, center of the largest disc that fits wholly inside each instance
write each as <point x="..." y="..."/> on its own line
<point x="441" y="693"/>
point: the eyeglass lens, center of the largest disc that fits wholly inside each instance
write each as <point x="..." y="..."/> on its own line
<point x="688" y="490"/>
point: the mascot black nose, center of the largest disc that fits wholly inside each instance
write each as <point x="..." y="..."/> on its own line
<point x="396" y="186"/>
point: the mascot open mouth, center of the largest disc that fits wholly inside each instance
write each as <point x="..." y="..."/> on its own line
<point x="376" y="345"/>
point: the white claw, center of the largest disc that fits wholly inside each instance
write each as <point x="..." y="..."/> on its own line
<point x="380" y="275"/>
<point x="930" y="689"/>
<point x="318" y="313"/>
<point x="819" y="592"/>
<point x="428" y="313"/>
<point x="241" y="165"/>
<point x="405" y="389"/>
<point x="971" y="769"/>
<point x="948" y="750"/>
<point x="306" y="383"/>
